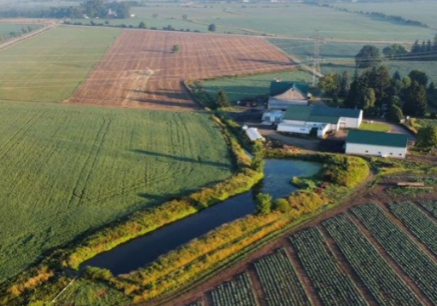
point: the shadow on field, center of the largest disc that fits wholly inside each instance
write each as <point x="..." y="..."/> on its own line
<point x="183" y="159"/>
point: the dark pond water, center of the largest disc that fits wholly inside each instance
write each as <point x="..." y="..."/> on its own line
<point x="143" y="250"/>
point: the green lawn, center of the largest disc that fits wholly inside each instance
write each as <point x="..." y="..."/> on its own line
<point x="50" y="66"/>
<point x="6" y="30"/>
<point x="66" y="170"/>
<point x="240" y="88"/>
<point x="375" y="127"/>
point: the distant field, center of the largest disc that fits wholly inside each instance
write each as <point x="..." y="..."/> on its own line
<point x="421" y="11"/>
<point x="8" y="30"/>
<point x="67" y="169"/>
<point x="50" y="66"/>
<point x="338" y="57"/>
<point x="292" y="20"/>
<point x="140" y="69"/>
<point x="240" y="88"/>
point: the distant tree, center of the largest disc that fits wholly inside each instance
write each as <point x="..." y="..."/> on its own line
<point x="212" y="27"/>
<point x="142" y="25"/>
<point x="395" y="114"/>
<point x="367" y="57"/>
<point x="396" y="76"/>
<point x="368" y="100"/>
<point x="394" y="51"/>
<point x="155" y="15"/>
<point x="176" y="49"/>
<point x="415" y="100"/>
<point x="184" y="16"/>
<point x="427" y="137"/>
<point x="263" y="204"/>
<point x="431" y="90"/>
<point x="419" y="76"/>
<point x="221" y="99"/>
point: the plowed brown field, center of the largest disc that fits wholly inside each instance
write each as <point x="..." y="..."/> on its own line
<point x="140" y="70"/>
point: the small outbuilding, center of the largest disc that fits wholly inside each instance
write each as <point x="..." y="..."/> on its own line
<point x="284" y="94"/>
<point x="302" y="119"/>
<point x="253" y="134"/>
<point x="376" y="144"/>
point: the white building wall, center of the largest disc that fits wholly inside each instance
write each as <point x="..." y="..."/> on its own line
<point x="360" y="149"/>
<point x="299" y="129"/>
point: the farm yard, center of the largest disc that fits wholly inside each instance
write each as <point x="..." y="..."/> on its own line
<point x="67" y="170"/>
<point x="326" y="263"/>
<point x="49" y="67"/>
<point x="140" y="69"/>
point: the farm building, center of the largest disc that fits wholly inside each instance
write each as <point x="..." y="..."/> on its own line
<point x="376" y="144"/>
<point x="283" y="94"/>
<point x="273" y="117"/>
<point x="253" y="134"/>
<point x="302" y="119"/>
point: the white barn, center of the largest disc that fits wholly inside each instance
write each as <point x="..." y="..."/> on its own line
<point x="302" y="119"/>
<point x="376" y="144"/>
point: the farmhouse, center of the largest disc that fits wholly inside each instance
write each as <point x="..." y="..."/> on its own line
<point x="283" y="94"/>
<point x="376" y="144"/>
<point x="303" y="119"/>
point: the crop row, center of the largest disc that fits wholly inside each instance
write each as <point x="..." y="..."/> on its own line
<point x="430" y="206"/>
<point x="333" y="286"/>
<point x="376" y="274"/>
<point x="279" y="280"/>
<point x="417" y="222"/>
<point x="236" y="292"/>
<point x="405" y="252"/>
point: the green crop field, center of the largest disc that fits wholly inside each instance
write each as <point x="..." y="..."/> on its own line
<point x="11" y="30"/>
<point x="68" y="169"/>
<point x="420" y="11"/>
<point x="49" y="67"/>
<point x="291" y="20"/>
<point x="246" y="87"/>
<point x="338" y="57"/>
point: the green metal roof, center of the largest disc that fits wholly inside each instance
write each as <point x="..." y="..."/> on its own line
<point x="319" y="113"/>
<point x="377" y="138"/>
<point x="277" y="88"/>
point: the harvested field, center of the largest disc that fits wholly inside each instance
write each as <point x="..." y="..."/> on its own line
<point x="140" y="69"/>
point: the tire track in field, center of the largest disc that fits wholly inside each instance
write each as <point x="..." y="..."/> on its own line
<point x="12" y="142"/>
<point x="81" y="183"/>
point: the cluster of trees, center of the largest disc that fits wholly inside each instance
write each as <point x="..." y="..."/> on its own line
<point x="90" y="8"/>
<point x="376" y="92"/>
<point x="424" y="51"/>
<point x="370" y="55"/>
<point x="24" y="30"/>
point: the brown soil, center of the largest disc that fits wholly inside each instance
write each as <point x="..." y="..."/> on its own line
<point x="140" y="70"/>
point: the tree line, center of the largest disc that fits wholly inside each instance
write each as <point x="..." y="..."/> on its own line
<point x="376" y="92"/>
<point x="90" y="8"/>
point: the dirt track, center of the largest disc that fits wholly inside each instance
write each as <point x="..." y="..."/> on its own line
<point x="140" y="70"/>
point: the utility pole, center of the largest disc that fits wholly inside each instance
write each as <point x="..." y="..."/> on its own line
<point x="318" y="40"/>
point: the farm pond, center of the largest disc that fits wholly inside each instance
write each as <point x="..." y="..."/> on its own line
<point x="143" y="250"/>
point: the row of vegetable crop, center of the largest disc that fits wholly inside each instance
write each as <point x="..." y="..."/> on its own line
<point x="430" y="206"/>
<point x="236" y="292"/>
<point x="279" y="280"/>
<point x="401" y="248"/>
<point x="333" y="286"/>
<point x="417" y="222"/>
<point x="375" y="273"/>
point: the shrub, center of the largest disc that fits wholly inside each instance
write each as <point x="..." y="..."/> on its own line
<point x="263" y="204"/>
<point x="94" y="273"/>
<point x="281" y="205"/>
